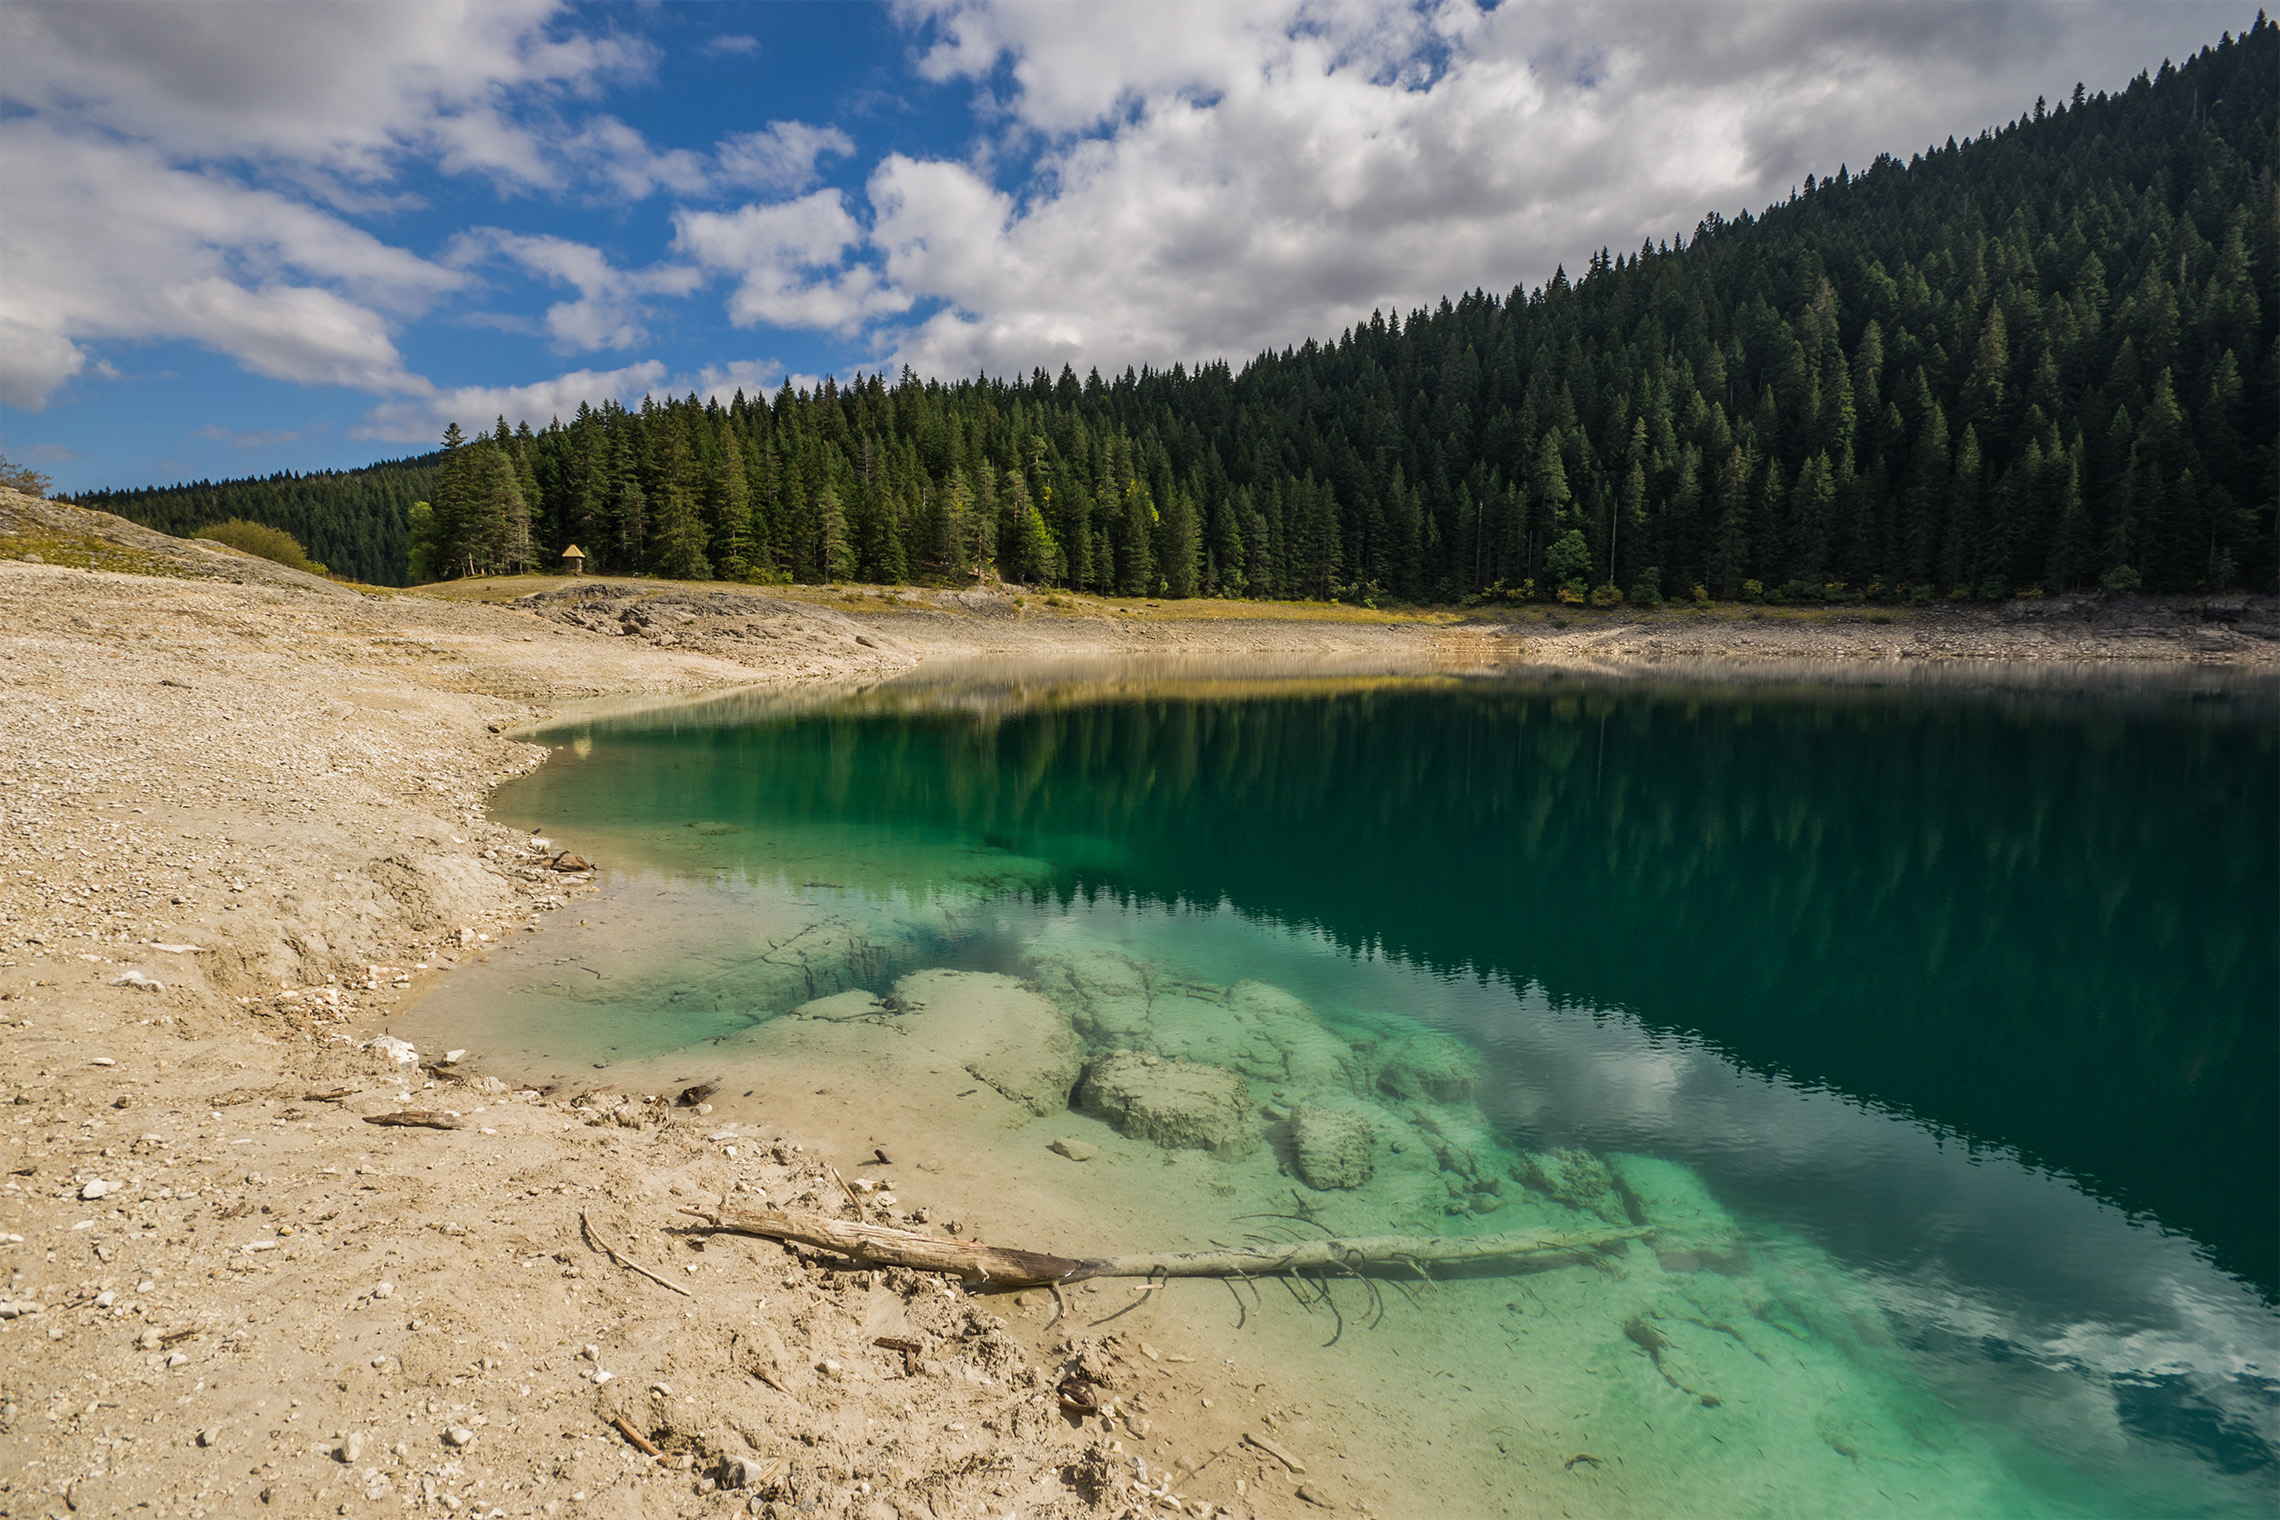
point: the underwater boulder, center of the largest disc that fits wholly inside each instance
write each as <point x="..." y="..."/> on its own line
<point x="1179" y="1105"/>
<point x="1693" y="1231"/>
<point x="1298" y="1049"/>
<point x="1333" y="1145"/>
<point x="1428" y="1065"/>
<point x="1103" y="989"/>
<point x="1577" y="1178"/>
<point x="1012" y="1039"/>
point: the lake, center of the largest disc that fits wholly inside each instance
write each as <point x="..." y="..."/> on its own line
<point x="1929" y="1023"/>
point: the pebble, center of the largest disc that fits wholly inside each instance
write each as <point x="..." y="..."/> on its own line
<point x="105" y="1300"/>
<point x="178" y="1359"/>
<point x="351" y="1447"/>
<point x="1075" y="1150"/>
<point x="105" y="1060"/>
<point x="17" y="1308"/>
<point x="100" y="1188"/>
<point x="459" y="1435"/>
<point x="209" y="1436"/>
<point x="384" y="1290"/>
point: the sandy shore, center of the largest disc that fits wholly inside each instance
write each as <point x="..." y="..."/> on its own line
<point x="242" y="819"/>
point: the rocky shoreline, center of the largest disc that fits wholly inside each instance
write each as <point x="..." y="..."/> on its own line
<point x="242" y="819"/>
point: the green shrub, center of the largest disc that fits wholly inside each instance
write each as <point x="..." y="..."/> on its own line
<point x="263" y="541"/>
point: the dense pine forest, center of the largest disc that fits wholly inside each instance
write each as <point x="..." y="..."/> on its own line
<point x="352" y="521"/>
<point x="2046" y="359"/>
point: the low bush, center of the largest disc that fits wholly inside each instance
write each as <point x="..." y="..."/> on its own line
<point x="262" y="541"/>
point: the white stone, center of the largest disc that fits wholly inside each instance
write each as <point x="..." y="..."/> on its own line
<point x="100" y="1188"/>
<point x="402" y="1052"/>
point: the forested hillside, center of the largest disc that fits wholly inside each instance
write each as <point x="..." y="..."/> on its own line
<point x="2043" y="358"/>
<point x="353" y="521"/>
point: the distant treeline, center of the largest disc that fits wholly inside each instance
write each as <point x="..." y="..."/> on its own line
<point x="353" y="521"/>
<point x="2047" y="358"/>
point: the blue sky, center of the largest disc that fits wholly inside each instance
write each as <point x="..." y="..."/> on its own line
<point x="237" y="238"/>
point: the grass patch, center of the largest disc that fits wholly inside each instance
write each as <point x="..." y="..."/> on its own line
<point x="84" y="551"/>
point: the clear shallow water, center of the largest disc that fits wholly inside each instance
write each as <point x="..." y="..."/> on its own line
<point x="1938" y="1022"/>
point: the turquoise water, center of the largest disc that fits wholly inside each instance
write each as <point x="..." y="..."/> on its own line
<point x="1934" y="1025"/>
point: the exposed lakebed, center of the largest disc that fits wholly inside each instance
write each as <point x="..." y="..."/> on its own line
<point x="1929" y="1028"/>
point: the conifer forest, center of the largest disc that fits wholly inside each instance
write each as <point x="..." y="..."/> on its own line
<point x="2046" y="358"/>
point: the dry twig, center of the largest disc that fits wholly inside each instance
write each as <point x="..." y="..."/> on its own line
<point x="595" y="1240"/>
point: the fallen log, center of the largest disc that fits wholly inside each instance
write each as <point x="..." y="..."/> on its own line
<point x="885" y="1245"/>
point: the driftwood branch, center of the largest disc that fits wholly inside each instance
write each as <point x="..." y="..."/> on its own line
<point x="595" y="1240"/>
<point x="884" y="1245"/>
<point x="1353" y="1252"/>
<point x="414" y="1118"/>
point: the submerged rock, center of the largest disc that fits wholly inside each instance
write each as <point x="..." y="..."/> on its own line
<point x="1428" y="1065"/>
<point x="1333" y="1145"/>
<point x="1693" y="1231"/>
<point x="1018" y="1042"/>
<point x="854" y="1003"/>
<point x="1576" y="1178"/>
<point x="1179" y="1105"/>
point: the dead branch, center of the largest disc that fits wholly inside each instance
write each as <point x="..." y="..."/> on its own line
<point x="613" y="1253"/>
<point x="414" y="1118"/>
<point x="641" y="1442"/>
<point x="884" y="1245"/>
<point x="1305" y="1257"/>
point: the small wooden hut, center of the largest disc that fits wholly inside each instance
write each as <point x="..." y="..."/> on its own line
<point x="573" y="561"/>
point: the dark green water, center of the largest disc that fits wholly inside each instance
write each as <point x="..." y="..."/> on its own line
<point x="1974" y="992"/>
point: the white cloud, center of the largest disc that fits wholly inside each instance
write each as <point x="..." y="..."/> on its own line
<point x="349" y="87"/>
<point x="757" y="378"/>
<point x="611" y="302"/>
<point x="732" y="44"/>
<point x="782" y="156"/>
<point x="103" y="240"/>
<point x="621" y="158"/>
<point x="1219" y="179"/>
<point x="473" y="407"/>
<point x="788" y="258"/>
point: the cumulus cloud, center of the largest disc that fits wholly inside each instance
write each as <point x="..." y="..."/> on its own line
<point x="423" y="419"/>
<point x="720" y="382"/>
<point x="788" y="258"/>
<point x="612" y="303"/>
<point x="783" y="156"/>
<point x="351" y="87"/>
<point x="1213" y="180"/>
<point x="105" y="240"/>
